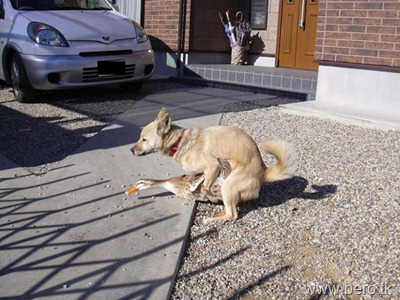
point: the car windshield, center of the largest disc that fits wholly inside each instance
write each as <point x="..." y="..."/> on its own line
<point x="61" y="4"/>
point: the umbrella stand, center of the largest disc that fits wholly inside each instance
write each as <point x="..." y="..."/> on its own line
<point x="239" y="37"/>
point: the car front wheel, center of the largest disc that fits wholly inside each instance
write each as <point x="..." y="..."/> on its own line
<point x="22" y="89"/>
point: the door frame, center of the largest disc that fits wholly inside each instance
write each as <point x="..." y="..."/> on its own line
<point x="278" y="36"/>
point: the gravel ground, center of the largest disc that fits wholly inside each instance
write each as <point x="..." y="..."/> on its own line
<point x="336" y="224"/>
<point x="38" y="135"/>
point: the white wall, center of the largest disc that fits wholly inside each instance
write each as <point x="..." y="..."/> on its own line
<point x="261" y="61"/>
<point x="130" y="8"/>
<point x="374" y="91"/>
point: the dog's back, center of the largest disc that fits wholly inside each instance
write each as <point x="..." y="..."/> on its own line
<point x="223" y="142"/>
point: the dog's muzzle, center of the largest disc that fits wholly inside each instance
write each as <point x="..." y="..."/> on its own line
<point x="137" y="152"/>
<point x="134" y="152"/>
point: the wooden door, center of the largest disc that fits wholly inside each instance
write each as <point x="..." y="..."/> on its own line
<point x="297" y="35"/>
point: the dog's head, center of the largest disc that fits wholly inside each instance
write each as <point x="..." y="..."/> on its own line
<point x="152" y="135"/>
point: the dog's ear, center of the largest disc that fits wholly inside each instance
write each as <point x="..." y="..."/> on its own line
<point x="163" y="122"/>
<point x="161" y="115"/>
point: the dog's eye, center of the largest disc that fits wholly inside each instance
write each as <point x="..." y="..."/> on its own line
<point x="144" y="140"/>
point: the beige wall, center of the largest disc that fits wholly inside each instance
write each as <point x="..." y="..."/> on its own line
<point x="264" y="41"/>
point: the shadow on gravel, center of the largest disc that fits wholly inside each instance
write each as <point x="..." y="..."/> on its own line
<point x="30" y="141"/>
<point x="101" y="103"/>
<point x="216" y="264"/>
<point x="277" y="193"/>
<point x="241" y="294"/>
<point x="238" y="294"/>
<point x="282" y="191"/>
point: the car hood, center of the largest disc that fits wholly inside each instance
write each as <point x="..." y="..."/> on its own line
<point x="85" y="25"/>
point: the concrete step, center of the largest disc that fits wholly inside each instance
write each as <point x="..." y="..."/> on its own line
<point x="352" y="115"/>
<point x="299" y="84"/>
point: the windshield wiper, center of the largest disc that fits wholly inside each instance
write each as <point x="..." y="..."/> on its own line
<point x="63" y="8"/>
<point x="98" y="8"/>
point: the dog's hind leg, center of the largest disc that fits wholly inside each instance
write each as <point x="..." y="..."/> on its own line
<point x="228" y="214"/>
<point x="230" y="198"/>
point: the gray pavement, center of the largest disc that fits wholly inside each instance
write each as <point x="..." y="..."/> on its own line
<point x="74" y="234"/>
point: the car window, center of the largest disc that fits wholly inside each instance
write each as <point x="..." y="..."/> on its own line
<point x="61" y="4"/>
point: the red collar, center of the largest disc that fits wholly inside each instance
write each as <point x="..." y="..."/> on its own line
<point x="175" y="147"/>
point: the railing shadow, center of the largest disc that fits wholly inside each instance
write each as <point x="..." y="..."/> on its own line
<point x="242" y="291"/>
<point x="54" y="244"/>
<point x="245" y="290"/>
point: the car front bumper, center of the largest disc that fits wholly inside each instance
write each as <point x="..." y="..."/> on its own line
<point x="58" y="72"/>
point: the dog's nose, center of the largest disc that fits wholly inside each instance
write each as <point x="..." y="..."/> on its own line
<point x="133" y="150"/>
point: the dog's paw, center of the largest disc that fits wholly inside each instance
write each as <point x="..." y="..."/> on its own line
<point x="219" y="215"/>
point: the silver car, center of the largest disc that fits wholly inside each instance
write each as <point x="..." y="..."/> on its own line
<point x="58" y="44"/>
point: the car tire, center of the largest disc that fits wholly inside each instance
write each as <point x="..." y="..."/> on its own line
<point x="22" y="89"/>
<point x="132" y="86"/>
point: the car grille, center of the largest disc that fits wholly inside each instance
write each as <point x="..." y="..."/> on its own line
<point x="105" y="53"/>
<point x="92" y="74"/>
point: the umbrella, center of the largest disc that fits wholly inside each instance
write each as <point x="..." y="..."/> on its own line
<point x="242" y="30"/>
<point x="229" y="29"/>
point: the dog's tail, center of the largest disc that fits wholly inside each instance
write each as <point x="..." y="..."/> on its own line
<point x="286" y="158"/>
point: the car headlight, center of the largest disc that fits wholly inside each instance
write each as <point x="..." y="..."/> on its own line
<point x="140" y="34"/>
<point x="44" y="34"/>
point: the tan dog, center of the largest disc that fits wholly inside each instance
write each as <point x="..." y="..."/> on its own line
<point x="198" y="150"/>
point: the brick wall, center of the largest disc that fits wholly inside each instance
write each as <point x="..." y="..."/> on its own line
<point x="161" y="23"/>
<point x="359" y="31"/>
<point x="204" y="31"/>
